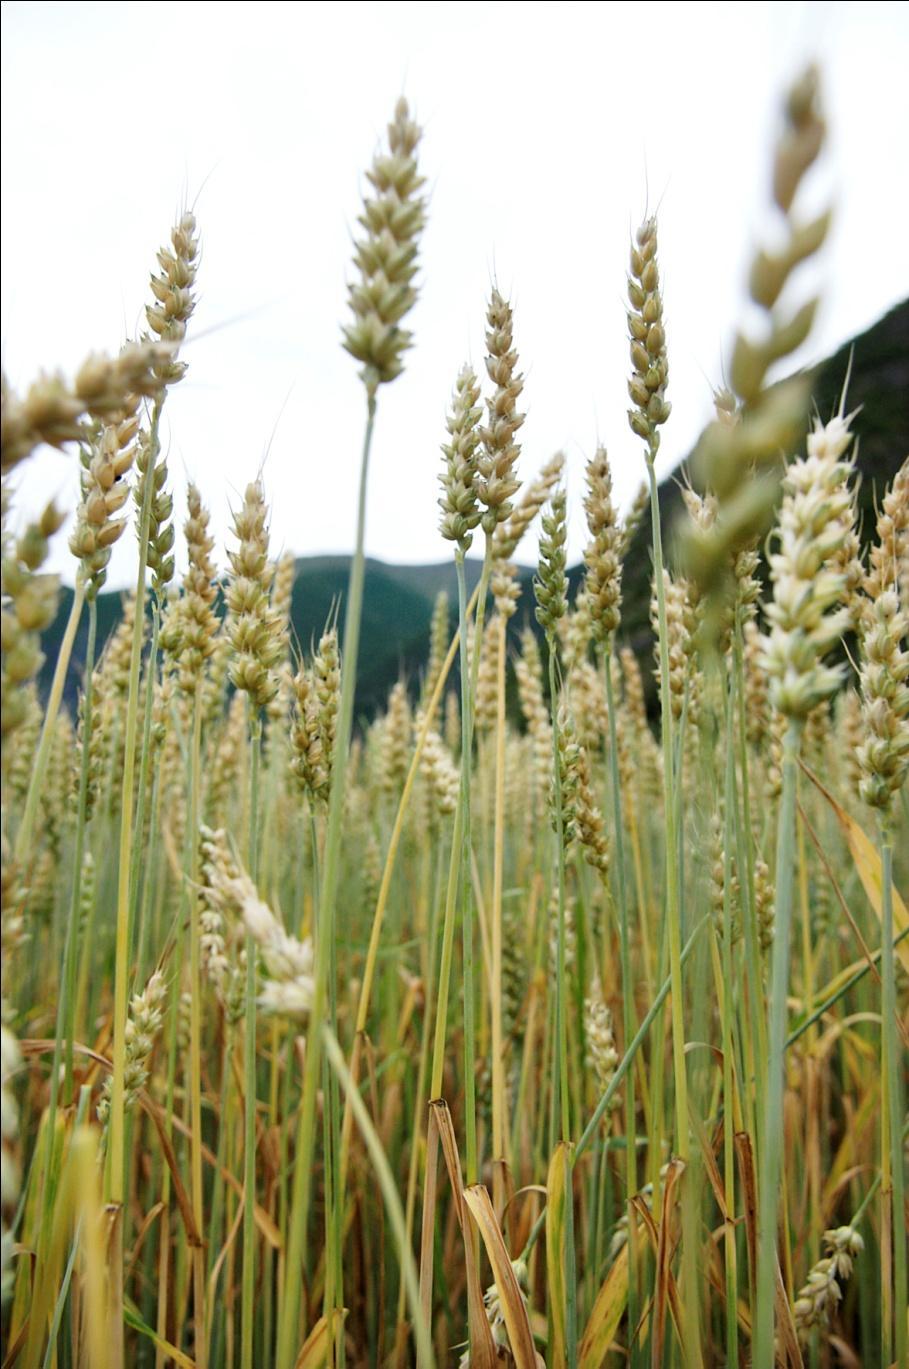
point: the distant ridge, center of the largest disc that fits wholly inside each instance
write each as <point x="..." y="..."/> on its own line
<point x="398" y="599"/>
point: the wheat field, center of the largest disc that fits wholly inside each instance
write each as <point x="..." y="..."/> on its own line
<point x="556" y="1015"/>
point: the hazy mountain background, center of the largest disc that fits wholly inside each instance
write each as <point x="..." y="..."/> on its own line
<point x="398" y="600"/>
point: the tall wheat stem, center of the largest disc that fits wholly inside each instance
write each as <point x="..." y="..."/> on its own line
<point x="691" y="1334"/>
<point x="23" y="844"/>
<point x="248" y="1318"/>
<point x="892" y="1162"/>
<point x="628" y="1005"/>
<point x="288" y="1325"/>
<point x="770" y="1160"/>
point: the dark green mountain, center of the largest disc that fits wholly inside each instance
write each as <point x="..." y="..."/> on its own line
<point x="398" y="600"/>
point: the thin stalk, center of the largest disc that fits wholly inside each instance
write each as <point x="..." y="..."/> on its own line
<point x="561" y="1082"/>
<point x="892" y="1165"/>
<point x="691" y="1334"/>
<point x="375" y="935"/>
<point x="247" y="1301"/>
<point x="628" y="1005"/>
<point x="732" y="1335"/>
<point x="498" y="1044"/>
<point x="562" y="1107"/>
<point x="145" y="759"/>
<point x="425" y="1356"/>
<point x="756" y="1019"/>
<point x="290" y="1303"/>
<point x="195" y="1028"/>
<point x="72" y="934"/>
<point x="116" y="1171"/>
<point x="770" y="1161"/>
<point x="467" y="929"/>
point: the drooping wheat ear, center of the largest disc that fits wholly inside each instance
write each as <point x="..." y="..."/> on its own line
<point x="568" y="777"/>
<point x="718" y="879"/>
<point x="23" y="745"/>
<point x="197" y="620"/>
<point x="106" y="461"/>
<point x="142" y="1027"/>
<point x="529" y="675"/>
<point x="884" y="760"/>
<point x="396" y="736"/>
<point x="679" y="635"/>
<point x="884" y="752"/>
<point x="253" y="627"/>
<point x="647" y="386"/>
<point x="820" y="1295"/>
<point x="763" y="903"/>
<point x="508" y="535"/>
<point x="889" y="556"/>
<point x="53" y="411"/>
<point x="460" y="509"/>
<point x="226" y="977"/>
<point x="806" y="618"/>
<point x="591" y="827"/>
<point x="160" y="517"/>
<point x="10" y="1062"/>
<point x="602" y="1054"/>
<point x="282" y="590"/>
<point x="550" y="585"/>
<point x="439" y="771"/>
<point x="576" y="631"/>
<point x="730" y="453"/>
<point x="497" y="456"/>
<point x="602" y="556"/>
<point x="172" y="288"/>
<point x="571" y="935"/>
<point x="29" y="605"/>
<point x="386" y="256"/>
<point x="633" y="519"/>
<point x="487" y="678"/>
<point x="439" y="634"/>
<point x="286" y="962"/>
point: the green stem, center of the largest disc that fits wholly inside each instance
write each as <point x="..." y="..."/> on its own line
<point x="116" y="1172"/>
<point x="892" y="1164"/>
<point x="564" y="1100"/>
<point x="770" y="1160"/>
<point x="628" y="1004"/>
<point x="195" y="1025"/>
<point x="72" y="935"/>
<point x="140" y="853"/>
<point x="290" y="1304"/>
<point x="691" y="1334"/>
<point x="732" y="1335"/>
<point x="247" y="1300"/>
<point x="467" y="929"/>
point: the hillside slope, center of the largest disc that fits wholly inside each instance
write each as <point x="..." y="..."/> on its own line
<point x="398" y="600"/>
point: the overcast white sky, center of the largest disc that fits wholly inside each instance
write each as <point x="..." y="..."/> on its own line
<point x="546" y="124"/>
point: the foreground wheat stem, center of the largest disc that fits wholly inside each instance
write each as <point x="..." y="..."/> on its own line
<point x="248" y="1320"/>
<point x="79" y="845"/>
<point x="772" y="1130"/>
<point x="425" y="1356"/>
<point x="729" y="1122"/>
<point x="561" y="1098"/>
<point x="691" y="1333"/>
<point x="628" y="1005"/>
<point x="467" y="929"/>
<point x="892" y="1162"/>
<point x="195" y="1025"/>
<point x="290" y="1306"/>
<point x="116" y="1172"/>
